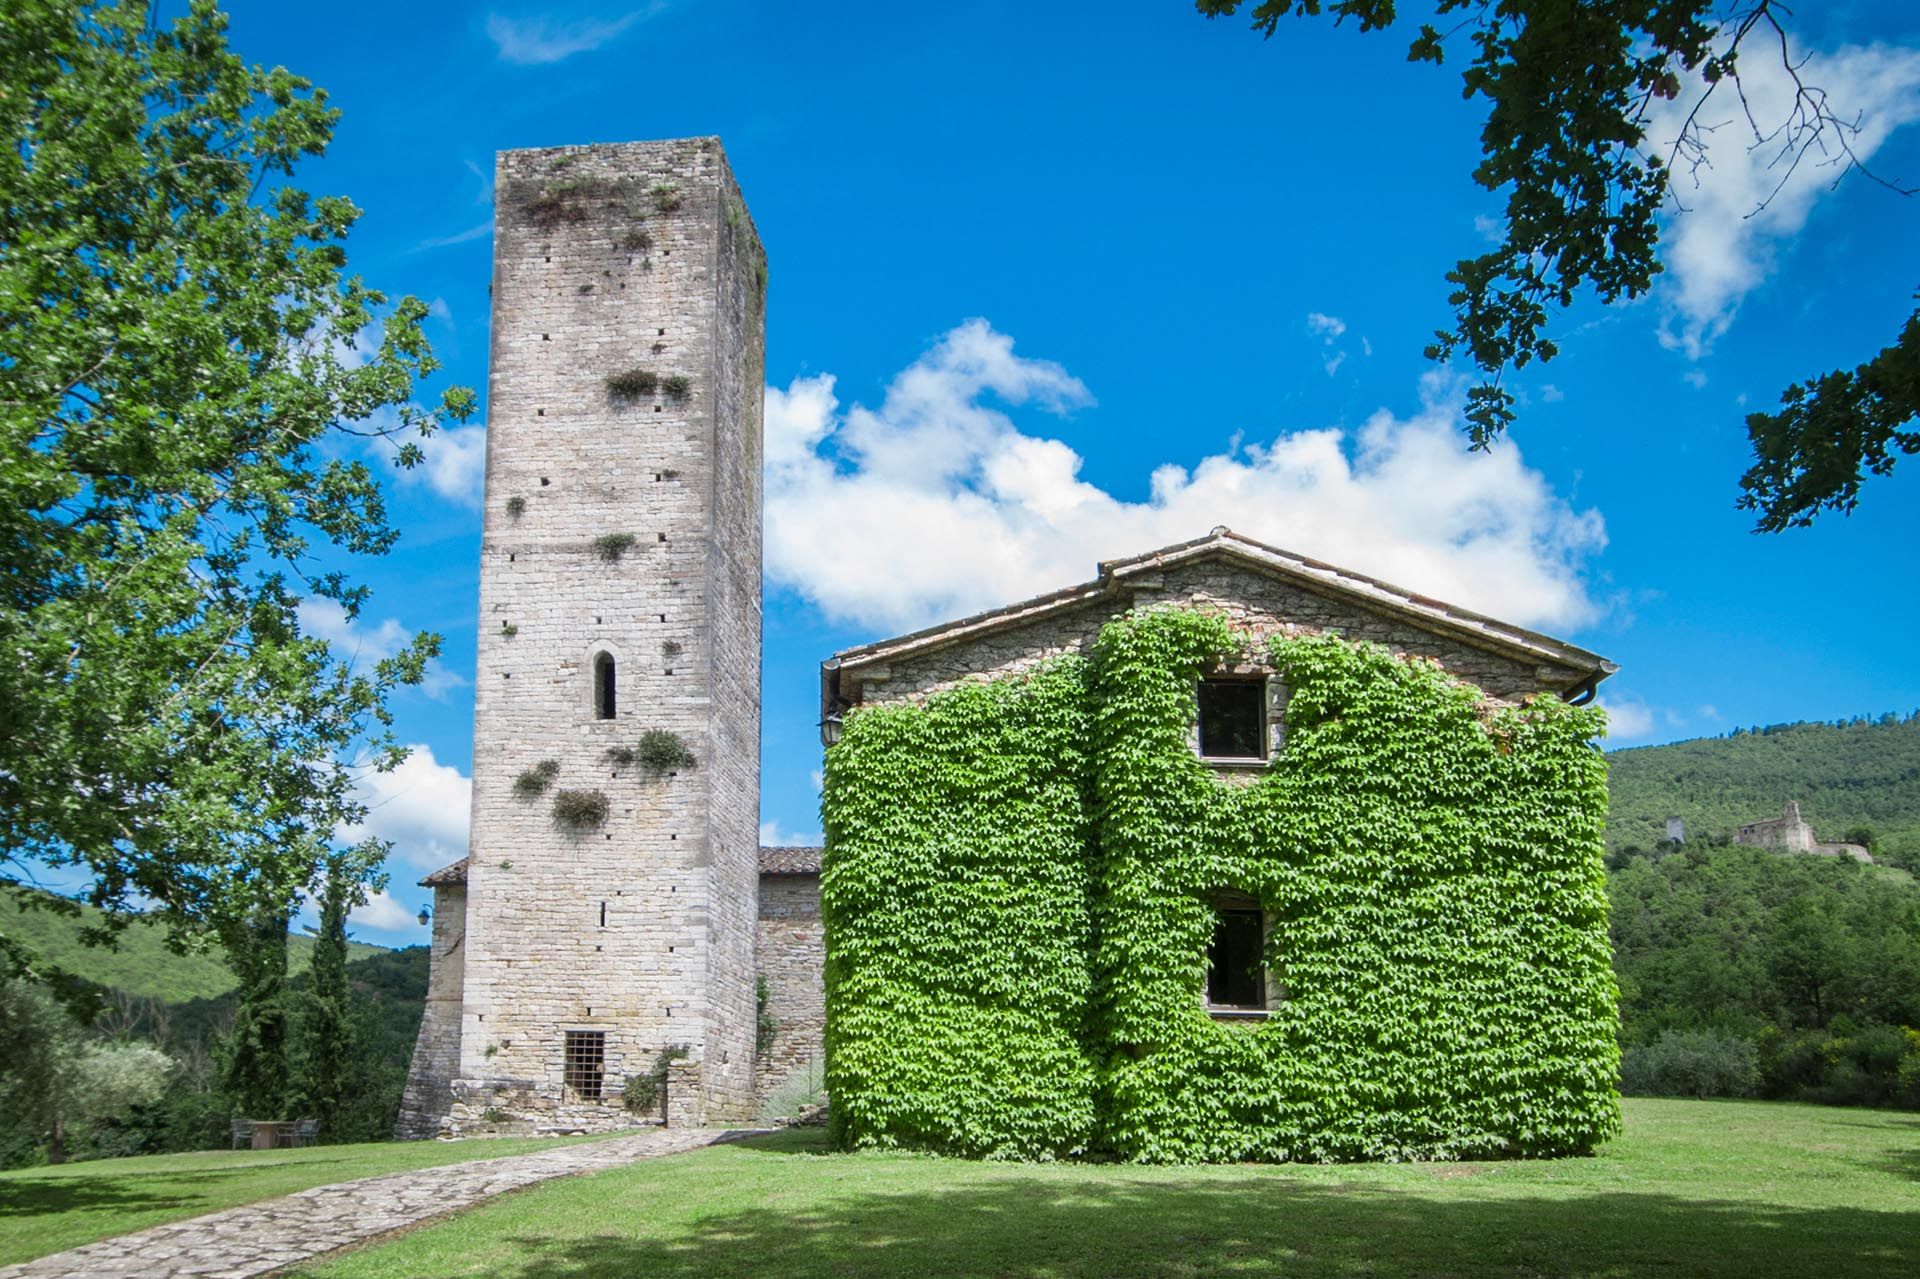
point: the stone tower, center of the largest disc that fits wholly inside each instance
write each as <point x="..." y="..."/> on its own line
<point x="609" y="904"/>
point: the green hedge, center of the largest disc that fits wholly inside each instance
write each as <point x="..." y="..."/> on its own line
<point x="1431" y="866"/>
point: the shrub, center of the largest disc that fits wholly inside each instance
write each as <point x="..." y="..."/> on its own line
<point x="637" y="240"/>
<point x="533" y="783"/>
<point x="579" y="810"/>
<point x="661" y="749"/>
<point x="667" y="197"/>
<point x="632" y="385"/>
<point x="643" y="1093"/>
<point x="611" y="546"/>
<point x="677" y="386"/>
<point x="1691" y="1063"/>
<point x="670" y="648"/>
<point x="516" y="506"/>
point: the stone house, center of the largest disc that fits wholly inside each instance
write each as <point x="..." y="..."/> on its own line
<point x="1503" y="1032"/>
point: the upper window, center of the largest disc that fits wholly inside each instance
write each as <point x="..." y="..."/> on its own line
<point x="603" y="686"/>
<point x="1233" y="719"/>
<point x="1236" y="969"/>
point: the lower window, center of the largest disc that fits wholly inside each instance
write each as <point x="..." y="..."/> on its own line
<point x="1236" y="971"/>
<point x="586" y="1063"/>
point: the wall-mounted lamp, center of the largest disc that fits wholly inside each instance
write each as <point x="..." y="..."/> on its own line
<point x="425" y="915"/>
<point x="829" y="730"/>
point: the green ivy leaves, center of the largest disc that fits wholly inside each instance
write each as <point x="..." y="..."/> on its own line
<point x="1016" y="896"/>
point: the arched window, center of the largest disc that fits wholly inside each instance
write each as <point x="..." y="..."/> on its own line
<point x="603" y="686"/>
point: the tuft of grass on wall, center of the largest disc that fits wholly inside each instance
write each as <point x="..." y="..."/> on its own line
<point x="632" y="384"/>
<point x="611" y="546"/>
<point x="580" y="810"/>
<point x="536" y="781"/>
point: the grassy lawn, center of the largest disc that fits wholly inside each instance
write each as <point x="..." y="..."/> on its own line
<point x="1693" y="1188"/>
<point x="43" y="1210"/>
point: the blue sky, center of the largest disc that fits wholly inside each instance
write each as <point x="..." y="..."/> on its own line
<point x="1130" y="274"/>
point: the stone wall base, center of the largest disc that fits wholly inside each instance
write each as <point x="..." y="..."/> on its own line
<point x="524" y="1107"/>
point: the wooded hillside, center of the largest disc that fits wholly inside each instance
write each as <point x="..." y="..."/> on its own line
<point x="1845" y="775"/>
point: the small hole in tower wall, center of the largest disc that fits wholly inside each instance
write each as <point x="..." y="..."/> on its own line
<point x="544" y="481"/>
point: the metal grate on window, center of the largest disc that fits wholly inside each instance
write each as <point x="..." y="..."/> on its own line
<point x="586" y="1063"/>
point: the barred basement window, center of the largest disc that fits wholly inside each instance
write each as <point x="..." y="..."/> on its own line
<point x="603" y="686"/>
<point x="586" y="1060"/>
<point x="1233" y="718"/>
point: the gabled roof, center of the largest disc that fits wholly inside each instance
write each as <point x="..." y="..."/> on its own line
<point x="1117" y="576"/>
<point x="790" y="860"/>
<point x="454" y="874"/>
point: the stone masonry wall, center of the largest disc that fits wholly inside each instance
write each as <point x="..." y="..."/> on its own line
<point x="1255" y="602"/>
<point x="792" y="961"/>
<point x="428" y="1097"/>
<point x="634" y="260"/>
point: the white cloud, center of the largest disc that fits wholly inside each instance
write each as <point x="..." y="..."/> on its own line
<point x="537" y="41"/>
<point x="772" y="836"/>
<point x="422" y="806"/>
<point x="1492" y="230"/>
<point x="385" y="912"/>
<point x="1551" y="393"/>
<point x="936" y="505"/>
<point x="1627" y="718"/>
<point x="1695" y="378"/>
<point x="1330" y="328"/>
<point x="1722" y="246"/>
<point x="358" y="644"/>
<point x="456" y="463"/>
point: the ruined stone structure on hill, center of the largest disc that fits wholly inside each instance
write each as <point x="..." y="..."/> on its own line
<point x="1789" y="833"/>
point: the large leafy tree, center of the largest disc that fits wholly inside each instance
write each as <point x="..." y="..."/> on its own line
<point x="1570" y="87"/>
<point x="184" y="357"/>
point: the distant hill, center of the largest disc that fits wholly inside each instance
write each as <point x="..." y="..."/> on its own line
<point x="141" y="965"/>
<point x="1858" y="773"/>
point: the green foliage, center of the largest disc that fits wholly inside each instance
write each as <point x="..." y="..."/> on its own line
<point x="765" y="1028"/>
<point x="661" y="750"/>
<point x="676" y="386"/>
<point x="1017" y="886"/>
<point x="326" y="1047"/>
<point x="516" y="506"/>
<point x="534" y="782"/>
<point x="955" y="897"/>
<point x="1691" y="1063"/>
<point x="184" y="343"/>
<point x="1565" y="140"/>
<point x="611" y="546"/>
<point x="140" y="965"/>
<point x="667" y="197"/>
<point x="579" y="811"/>
<point x="1865" y="772"/>
<point x="647" y="1094"/>
<point x="632" y="385"/>
<point x="636" y="240"/>
<point x="254" y="1063"/>
<point x="1814" y="962"/>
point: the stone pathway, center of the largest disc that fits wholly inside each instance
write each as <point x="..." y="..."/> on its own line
<point x="260" y="1238"/>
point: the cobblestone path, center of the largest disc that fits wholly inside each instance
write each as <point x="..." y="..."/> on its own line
<point x="260" y="1238"/>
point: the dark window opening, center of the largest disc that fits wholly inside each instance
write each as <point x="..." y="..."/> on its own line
<point x="1233" y="719"/>
<point x="586" y="1063"/>
<point x="1236" y="976"/>
<point x="603" y="689"/>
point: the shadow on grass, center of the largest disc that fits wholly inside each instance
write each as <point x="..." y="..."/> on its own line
<point x="72" y="1189"/>
<point x="1041" y="1228"/>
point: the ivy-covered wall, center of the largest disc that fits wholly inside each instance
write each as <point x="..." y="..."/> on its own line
<point x="1016" y="895"/>
<point x="955" y="896"/>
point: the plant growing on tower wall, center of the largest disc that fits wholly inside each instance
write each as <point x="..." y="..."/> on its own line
<point x="580" y="810"/>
